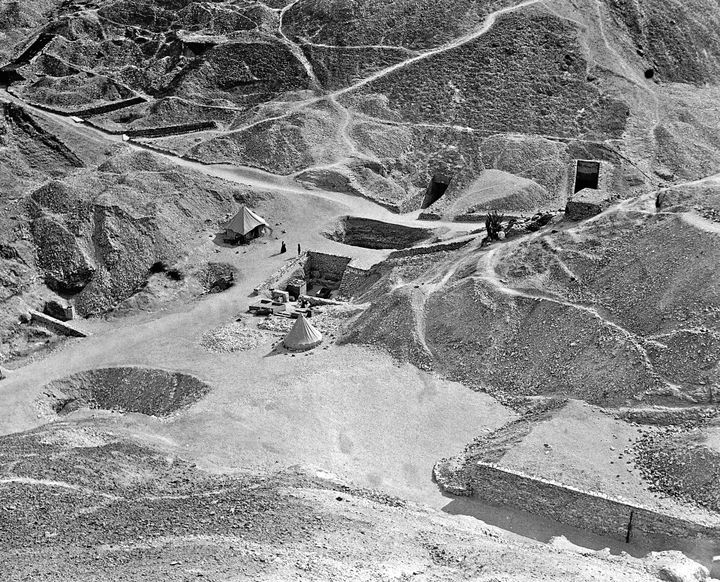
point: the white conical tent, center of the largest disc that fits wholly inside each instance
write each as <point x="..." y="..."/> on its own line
<point x="245" y="221"/>
<point x="302" y="336"/>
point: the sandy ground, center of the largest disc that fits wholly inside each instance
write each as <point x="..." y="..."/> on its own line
<point x="347" y="410"/>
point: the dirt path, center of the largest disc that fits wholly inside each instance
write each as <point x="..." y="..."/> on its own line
<point x="251" y="177"/>
<point x="458" y="42"/>
<point x="455" y="43"/>
<point x="296" y="50"/>
<point x="386" y="47"/>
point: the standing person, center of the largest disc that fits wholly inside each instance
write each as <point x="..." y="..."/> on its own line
<point x="283" y="248"/>
<point x="299" y="250"/>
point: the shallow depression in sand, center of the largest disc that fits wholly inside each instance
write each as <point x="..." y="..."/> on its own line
<point x="128" y="389"/>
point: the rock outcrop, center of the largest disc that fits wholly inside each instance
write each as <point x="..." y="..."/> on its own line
<point x="587" y="203"/>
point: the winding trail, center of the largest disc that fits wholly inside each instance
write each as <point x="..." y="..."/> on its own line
<point x="296" y="50"/>
<point x="248" y="176"/>
<point x="385" y="47"/>
<point x="456" y="43"/>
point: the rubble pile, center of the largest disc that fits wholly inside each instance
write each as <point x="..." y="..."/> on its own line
<point x="234" y="337"/>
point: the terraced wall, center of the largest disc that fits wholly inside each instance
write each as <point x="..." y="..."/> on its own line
<point x="587" y="510"/>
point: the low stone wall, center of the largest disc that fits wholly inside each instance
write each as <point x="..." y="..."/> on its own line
<point x="89" y="112"/>
<point x="21" y="117"/>
<point x="172" y="129"/>
<point x="583" y="509"/>
<point x="426" y="250"/>
<point x="33" y="49"/>
<point x="100" y="109"/>
<point x="55" y="325"/>
<point x="282" y="277"/>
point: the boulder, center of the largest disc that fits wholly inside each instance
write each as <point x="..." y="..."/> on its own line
<point x="675" y="567"/>
<point x="57" y="309"/>
<point x="587" y="203"/>
<point x="687" y="197"/>
<point x="64" y="264"/>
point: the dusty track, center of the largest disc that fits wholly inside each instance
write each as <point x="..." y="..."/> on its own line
<point x="248" y="176"/>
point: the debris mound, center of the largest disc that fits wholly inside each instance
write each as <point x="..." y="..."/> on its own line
<point x="234" y="337"/>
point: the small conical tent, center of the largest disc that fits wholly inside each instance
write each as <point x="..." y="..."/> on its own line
<point x="302" y="336"/>
<point x="245" y="224"/>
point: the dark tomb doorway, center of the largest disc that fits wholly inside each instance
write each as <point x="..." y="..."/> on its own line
<point x="435" y="190"/>
<point x="587" y="175"/>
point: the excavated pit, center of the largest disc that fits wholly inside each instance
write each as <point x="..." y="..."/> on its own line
<point x="375" y="234"/>
<point x="145" y="390"/>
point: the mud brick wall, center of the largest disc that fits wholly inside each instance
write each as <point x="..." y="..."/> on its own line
<point x="590" y="511"/>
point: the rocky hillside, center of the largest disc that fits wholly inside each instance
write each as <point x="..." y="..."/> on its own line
<point x="97" y="235"/>
<point x="109" y="508"/>
<point x="376" y="99"/>
<point x="632" y="291"/>
<point x="451" y="108"/>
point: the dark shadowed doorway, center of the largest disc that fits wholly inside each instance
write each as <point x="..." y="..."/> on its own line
<point x="437" y="187"/>
<point x="587" y="175"/>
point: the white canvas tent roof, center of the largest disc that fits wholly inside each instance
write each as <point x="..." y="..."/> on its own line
<point x="302" y="336"/>
<point x="244" y="221"/>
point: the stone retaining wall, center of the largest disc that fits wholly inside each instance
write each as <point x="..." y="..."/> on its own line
<point x="172" y="129"/>
<point x="55" y="325"/>
<point x="583" y="509"/>
<point x="100" y="109"/>
<point x="426" y="250"/>
<point x="282" y="277"/>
